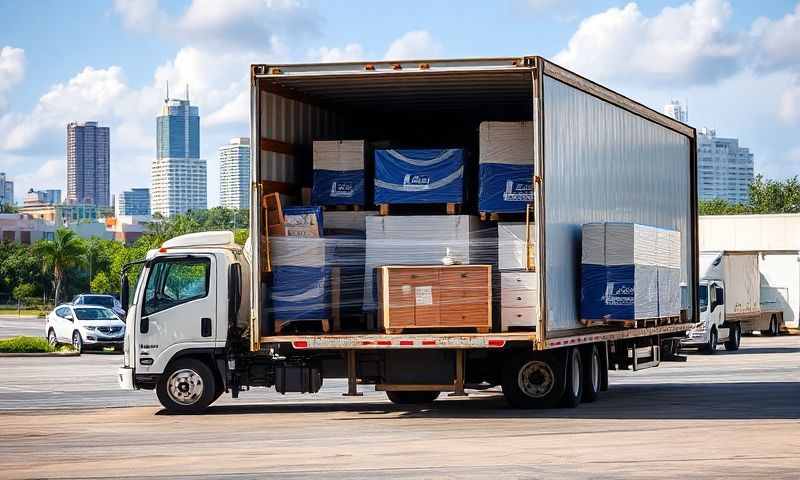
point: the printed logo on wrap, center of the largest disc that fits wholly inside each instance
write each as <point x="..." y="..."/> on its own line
<point x="619" y="293"/>
<point x="342" y="189"/>
<point x="518" y="191"/>
<point x="417" y="180"/>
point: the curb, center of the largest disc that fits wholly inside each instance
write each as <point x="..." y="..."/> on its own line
<point x="41" y="354"/>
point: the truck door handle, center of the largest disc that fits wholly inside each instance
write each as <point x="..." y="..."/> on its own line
<point x="205" y="327"/>
<point x="144" y="325"/>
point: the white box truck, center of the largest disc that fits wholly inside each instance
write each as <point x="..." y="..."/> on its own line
<point x="731" y="304"/>
<point x="199" y="316"/>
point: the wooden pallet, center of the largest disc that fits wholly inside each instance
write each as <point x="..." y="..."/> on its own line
<point x="503" y="217"/>
<point x="273" y="214"/>
<point x="450" y="208"/>
<point x="641" y="323"/>
<point x="432" y="330"/>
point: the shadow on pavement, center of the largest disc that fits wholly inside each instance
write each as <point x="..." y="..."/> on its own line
<point x="702" y="401"/>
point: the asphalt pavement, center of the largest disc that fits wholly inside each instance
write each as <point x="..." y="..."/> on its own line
<point x="732" y="415"/>
<point x="14" y="326"/>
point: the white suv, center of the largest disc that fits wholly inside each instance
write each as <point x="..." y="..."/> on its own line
<point x="84" y="326"/>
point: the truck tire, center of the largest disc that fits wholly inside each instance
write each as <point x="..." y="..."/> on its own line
<point x="402" y="397"/>
<point x="187" y="386"/>
<point x="573" y="387"/>
<point x="534" y="380"/>
<point x="772" y="330"/>
<point x="734" y="338"/>
<point x="592" y="376"/>
<point x="710" y="348"/>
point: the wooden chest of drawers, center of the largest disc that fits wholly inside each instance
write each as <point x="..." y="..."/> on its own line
<point x="456" y="296"/>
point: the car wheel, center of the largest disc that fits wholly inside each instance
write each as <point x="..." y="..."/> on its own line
<point x="711" y="347"/>
<point x="77" y="341"/>
<point x="52" y="340"/>
<point x="187" y="386"/>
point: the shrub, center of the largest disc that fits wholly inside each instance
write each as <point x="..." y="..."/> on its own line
<point x="28" y="345"/>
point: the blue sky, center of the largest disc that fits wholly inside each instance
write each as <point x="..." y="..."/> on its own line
<point x="736" y="62"/>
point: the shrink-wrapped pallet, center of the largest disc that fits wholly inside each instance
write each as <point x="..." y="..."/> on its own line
<point x="506" y="166"/>
<point x="338" y="172"/>
<point x="419" y="176"/>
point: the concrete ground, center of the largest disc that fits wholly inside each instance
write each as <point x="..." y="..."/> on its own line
<point x="731" y="415"/>
<point x="14" y="326"/>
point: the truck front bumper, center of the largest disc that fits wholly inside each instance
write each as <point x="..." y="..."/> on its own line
<point x="696" y="338"/>
<point x="125" y="378"/>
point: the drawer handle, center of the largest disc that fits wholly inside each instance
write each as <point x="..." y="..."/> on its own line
<point x="464" y="275"/>
<point x="519" y="298"/>
<point x="413" y="275"/>
<point x="519" y="315"/>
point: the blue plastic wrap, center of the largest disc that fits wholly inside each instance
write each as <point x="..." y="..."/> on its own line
<point x="419" y="176"/>
<point x="620" y="292"/>
<point x="300" y="293"/>
<point x="333" y="187"/>
<point x="505" y="188"/>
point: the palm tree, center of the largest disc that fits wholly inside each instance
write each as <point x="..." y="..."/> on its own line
<point x="66" y="250"/>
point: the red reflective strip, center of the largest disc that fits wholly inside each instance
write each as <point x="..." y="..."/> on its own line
<point x="384" y="342"/>
<point x="300" y="344"/>
<point x="429" y="342"/>
<point x="406" y="342"/>
<point x="496" y="342"/>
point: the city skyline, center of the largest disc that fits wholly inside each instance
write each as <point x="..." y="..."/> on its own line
<point x="88" y="164"/>
<point x="729" y="47"/>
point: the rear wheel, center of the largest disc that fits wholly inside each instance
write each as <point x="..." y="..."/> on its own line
<point x="52" y="340"/>
<point x="187" y="386"/>
<point x="591" y="374"/>
<point x="533" y="380"/>
<point x="411" y="398"/>
<point x="710" y="348"/>
<point x="734" y="338"/>
<point x="573" y="391"/>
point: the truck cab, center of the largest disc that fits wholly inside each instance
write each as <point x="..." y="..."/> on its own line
<point x="713" y="327"/>
<point x="186" y="303"/>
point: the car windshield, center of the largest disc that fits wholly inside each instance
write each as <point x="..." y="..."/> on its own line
<point x="703" y="297"/>
<point x="94" y="314"/>
<point x="100" y="300"/>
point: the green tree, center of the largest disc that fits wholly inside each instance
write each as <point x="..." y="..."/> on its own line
<point x="775" y="196"/>
<point x="719" y="206"/>
<point x="24" y="291"/>
<point x="101" y="283"/>
<point x="59" y="255"/>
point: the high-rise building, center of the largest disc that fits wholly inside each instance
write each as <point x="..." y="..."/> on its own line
<point x="47" y="197"/>
<point x="88" y="164"/>
<point x="6" y="190"/>
<point x="724" y="169"/>
<point x="234" y="173"/>
<point x="135" y="201"/>
<point x="178" y="175"/>
<point x="677" y="110"/>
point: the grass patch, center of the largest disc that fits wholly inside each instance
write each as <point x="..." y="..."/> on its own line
<point x="30" y="345"/>
<point x="30" y="312"/>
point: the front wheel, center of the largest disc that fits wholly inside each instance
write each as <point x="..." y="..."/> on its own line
<point x="187" y="386"/>
<point x="710" y="348"/>
<point x="533" y="380"/>
<point x="399" y="397"/>
<point x="52" y="340"/>
<point x="734" y="338"/>
<point x="77" y="342"/>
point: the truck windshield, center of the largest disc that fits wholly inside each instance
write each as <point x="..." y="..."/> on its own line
<point x="703" y="297"/>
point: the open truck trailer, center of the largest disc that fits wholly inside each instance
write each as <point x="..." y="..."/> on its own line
<point x="598" y="157"/>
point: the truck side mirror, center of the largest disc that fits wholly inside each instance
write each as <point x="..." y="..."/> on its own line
<point x="123" y="294"/>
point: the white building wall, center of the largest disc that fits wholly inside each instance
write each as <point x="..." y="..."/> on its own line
<point x="234" y="169"/>
<point x="725" y="170"/>
<point x="178" y="185"/>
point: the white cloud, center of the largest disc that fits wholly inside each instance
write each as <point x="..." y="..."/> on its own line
<point x="243" y="23"/>
<point x="418" y="44"/>
<point x="12" y="71"/>
<point x="777" y="43"/>
<point x="348" y="53"/>
<point x="688" y="44"/>
<point x="789" y="105"/>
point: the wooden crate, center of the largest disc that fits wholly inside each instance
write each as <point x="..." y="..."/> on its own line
<point x="435" y="297"/>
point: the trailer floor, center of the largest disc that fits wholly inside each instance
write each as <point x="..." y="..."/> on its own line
<point x="729" y="415"/>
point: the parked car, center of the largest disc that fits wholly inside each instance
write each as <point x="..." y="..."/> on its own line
<point x="108" y="301"/>
<point x="85" y="326"/>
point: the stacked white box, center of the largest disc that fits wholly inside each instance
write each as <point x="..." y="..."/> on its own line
<point x="416" y="240"/>
<point x="512" y="246"/>
<point x="510" y="143"/>
<point x="339" y="155"/>
<point x="519" y="300"/>
<point x="298" y="251"/>
<point x="347" y="220"/>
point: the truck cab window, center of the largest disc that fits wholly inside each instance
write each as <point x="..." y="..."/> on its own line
<point x="173" y="282"/>
<point x="703" y="297"/>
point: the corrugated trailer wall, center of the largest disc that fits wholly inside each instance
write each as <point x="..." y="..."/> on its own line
<point x="603" y="163"/>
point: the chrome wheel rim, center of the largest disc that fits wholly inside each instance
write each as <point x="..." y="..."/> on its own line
<point x="185" y="386"/>
<point x="76" y="342"/>
<point x="536" y="379"/>
<point x="576" y="372"/>
<point x="51" y="339"/>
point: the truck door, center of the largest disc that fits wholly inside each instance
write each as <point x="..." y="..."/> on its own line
<point x="719" y="312"/>
<point x="178" y="309"/>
